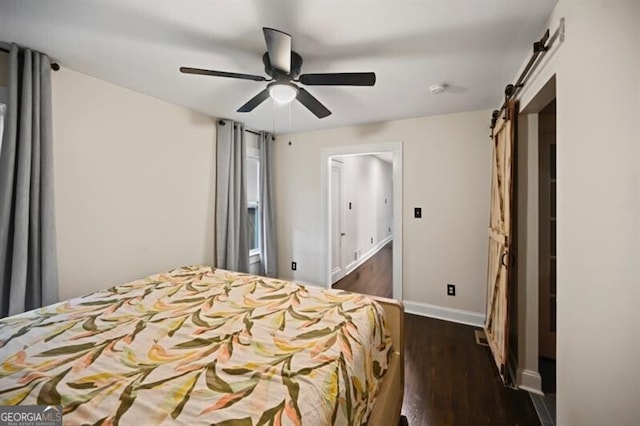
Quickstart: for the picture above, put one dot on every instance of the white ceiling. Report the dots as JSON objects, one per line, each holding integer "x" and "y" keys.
{"x": 475, "y": 46}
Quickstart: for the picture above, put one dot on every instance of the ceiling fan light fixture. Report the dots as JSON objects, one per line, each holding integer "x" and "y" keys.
{"x": 439, "y": 88}
{"x": 283, "y": 93}
{"x": 282, "y": 65}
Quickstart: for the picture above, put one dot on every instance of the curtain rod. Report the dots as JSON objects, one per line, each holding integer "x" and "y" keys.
{"x": 222, "y": 123}
{"x": 54, "y": 65}
{"x": 540, "y": 48}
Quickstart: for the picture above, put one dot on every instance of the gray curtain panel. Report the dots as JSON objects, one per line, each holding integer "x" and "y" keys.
{"x": 28, "y": 271}
{"x": 232, "y": 216}
{"x": 268, "y": 257}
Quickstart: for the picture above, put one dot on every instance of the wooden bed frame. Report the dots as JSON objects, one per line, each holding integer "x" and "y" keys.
{"x": 389, "y": 402}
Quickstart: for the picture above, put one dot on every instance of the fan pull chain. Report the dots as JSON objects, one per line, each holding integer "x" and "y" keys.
{"x": 273, "y": 115}
{"x": 290, "y": 122}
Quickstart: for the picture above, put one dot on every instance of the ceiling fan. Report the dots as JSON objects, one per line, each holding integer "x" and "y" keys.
{"x": 283, "y": 66}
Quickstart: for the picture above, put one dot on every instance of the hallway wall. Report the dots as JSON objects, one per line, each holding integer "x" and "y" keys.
{"x": 367, "y": 185}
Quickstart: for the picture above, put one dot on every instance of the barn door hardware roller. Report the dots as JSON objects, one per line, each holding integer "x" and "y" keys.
{"x": 540, "y": 48}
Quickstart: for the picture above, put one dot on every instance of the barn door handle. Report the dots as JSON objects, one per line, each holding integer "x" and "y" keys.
{"x": 511, "y": 257}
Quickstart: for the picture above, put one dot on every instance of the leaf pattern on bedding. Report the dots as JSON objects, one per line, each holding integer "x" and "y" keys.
{"x": 198, "y": 345}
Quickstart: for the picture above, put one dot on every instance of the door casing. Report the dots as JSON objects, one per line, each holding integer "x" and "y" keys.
{"x": 359, "y": 149}
{"x": 338, "y": 266}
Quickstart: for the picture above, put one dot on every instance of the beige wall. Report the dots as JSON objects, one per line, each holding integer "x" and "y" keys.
{"x": 597, "y": 72}
{"x": 134, "y": 184}
{"x": 446, "y": 172}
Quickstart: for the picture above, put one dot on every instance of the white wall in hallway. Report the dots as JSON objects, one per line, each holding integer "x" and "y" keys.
{"x": 367, "y": 183}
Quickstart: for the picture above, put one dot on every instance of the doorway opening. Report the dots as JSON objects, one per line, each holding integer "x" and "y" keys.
{"x": 361, "y": 200}
{"x": 362, "y": 196}
{"x": 536, "y": 267}
{"x": 547, "y": 241}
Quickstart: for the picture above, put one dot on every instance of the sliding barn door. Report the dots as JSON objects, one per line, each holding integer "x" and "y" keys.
{"x": 500, "y": 239}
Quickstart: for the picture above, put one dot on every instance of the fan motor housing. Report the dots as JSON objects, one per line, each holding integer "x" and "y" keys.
{"x": 296, "y": 64}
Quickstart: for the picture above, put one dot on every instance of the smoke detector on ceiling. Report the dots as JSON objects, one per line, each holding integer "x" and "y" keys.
{"x": 436, "y": 89}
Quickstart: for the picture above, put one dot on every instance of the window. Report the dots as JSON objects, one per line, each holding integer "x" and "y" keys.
{"x": 3, "y": 110}
{"x": 254, "y": 231}
{"x": 253, "y": 195}
{"x": 253, "y": 201}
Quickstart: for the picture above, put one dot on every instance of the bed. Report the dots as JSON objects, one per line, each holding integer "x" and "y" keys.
{"x": 199, "y": 345}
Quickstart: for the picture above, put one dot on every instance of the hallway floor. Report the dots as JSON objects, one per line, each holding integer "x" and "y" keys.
{"x": 374, "y": 277}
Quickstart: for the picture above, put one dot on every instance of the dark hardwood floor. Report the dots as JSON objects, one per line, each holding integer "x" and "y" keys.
{"x": 374, "y": 277}
{"x": 449, "y": 378}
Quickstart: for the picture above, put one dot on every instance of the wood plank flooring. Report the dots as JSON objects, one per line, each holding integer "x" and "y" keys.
{"x": 374, "y": 277}
{"x": 449, "y": 379}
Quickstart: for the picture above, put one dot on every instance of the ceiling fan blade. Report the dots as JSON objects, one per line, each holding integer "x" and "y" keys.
{"x": 339, "y": 79}
{"x": 255, "y": 101}
{"x": 312, "y": 104}
{"x": 279, "y": 48}
{"x": 188, "y": 70}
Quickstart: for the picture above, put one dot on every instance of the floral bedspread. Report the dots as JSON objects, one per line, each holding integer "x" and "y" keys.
{"x": 199, "y": 346}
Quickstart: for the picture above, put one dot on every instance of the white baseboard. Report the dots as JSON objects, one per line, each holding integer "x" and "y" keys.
{"x": 368, "y": 255}
{"x": 529, "y": 381}
{"x": 475, "y": 319}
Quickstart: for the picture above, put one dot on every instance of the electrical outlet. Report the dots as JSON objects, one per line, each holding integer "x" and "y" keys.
{"x": 294, "y": 266}
{"x": 451, "y": 289}
{"x": 349, "y": 205}
{"x": 417, "y": 212}
{"x": 389, "y": 229}
{"x": 371, "y": 240}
